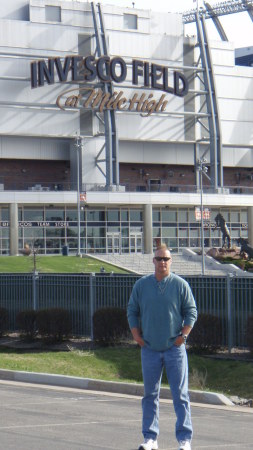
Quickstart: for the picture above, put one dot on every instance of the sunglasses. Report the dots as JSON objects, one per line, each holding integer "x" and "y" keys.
{"x": 162, "y": 258}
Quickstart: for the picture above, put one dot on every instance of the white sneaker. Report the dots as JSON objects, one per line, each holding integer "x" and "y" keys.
{"x": 149, "y": 444}
{"x": 184, "y": 445}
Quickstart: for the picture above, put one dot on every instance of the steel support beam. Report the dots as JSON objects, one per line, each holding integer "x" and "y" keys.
{"x": 220, "y": 9}
{"x": 216, "y": 22}
{"x": 216, "y": 168}
{"x": 111, "y": 139}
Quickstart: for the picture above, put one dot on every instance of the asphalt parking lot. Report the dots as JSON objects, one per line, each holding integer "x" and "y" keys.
{"x": 52, "y": 418}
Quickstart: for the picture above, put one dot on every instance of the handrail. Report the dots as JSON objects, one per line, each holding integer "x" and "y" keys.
{"x": 163, "y": 187}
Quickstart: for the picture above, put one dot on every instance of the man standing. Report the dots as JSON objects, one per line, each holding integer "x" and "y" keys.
{"x": 161, "y": 313}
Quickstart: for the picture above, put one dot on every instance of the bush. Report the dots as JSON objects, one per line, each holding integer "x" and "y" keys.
{"x": 4, "y": 321}
{"x": 26, "y": 323}
{"x": 54, "y": 324}
{"x": 206, "y": 334}
{"x": 249, "y": 333}
{"x": 110, "y": 325}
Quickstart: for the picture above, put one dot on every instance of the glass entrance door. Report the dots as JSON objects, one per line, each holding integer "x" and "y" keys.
{"x": 135, "y": 242}
{"x": 113, "y": 243}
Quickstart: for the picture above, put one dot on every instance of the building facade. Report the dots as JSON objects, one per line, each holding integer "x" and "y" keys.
{"x": 100, "y": 141}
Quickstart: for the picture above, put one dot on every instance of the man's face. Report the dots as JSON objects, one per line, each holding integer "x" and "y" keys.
{"x": 162, "y": 261}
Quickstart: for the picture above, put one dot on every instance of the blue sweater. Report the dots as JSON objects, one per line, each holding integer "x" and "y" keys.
{"x": 161, "y": 309}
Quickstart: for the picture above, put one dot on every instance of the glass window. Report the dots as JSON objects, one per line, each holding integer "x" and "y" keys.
{"x": 214, "y": 213}
{"x": 156, "y": 216}
{"x": 171, "y": 243}
{"x": 234, "y": 216}
{"x": 135, "y": 229}
{"x": 54, "y": 245}
{"x": 124, "y": 231}
{"x": 95, "y": 231}
{"x": 95, "y": 216}
{"x": 182, "y": 216}
{"x": 54, "y": 214}
{"x": 225, "y": 214}
{"x": 135, "y": 215}
{"x": 235, "y": 233}
{"x": 5, "y": 214}
{"x": 192, "y": 215}
{"x": 125, "y": 243}
{"x": 244, "y": 234}
{"x": 33, "y": 214}
{"x": 194, "y": 232}
{"x": 55, "y": 232}
{"x": 53, "y": 13}
{"x": 183, "y": 232}
{"x": 244, "y": 216}
{"x": 72, "y": 232}
{"x": 183, "y": 242}
{"x": 124, "y": 215}
{"x": 113, "y": 229}
{"x": 99, "y": 243}
{"x": 169, "y": 232}
{"x": 169, "y": 216}
{"x": 33, "y": 232}
{"x": 156, "y": 232}
{"x": 194, "y": 242}
{"x": 5, "y": 232}
{"x": 130, "y": 21}
{"x": 113, "y": 215}
{"x": 72, "y": 215}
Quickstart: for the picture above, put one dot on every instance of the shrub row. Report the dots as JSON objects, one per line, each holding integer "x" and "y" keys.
{"x": 206, "y": 335}
{"x": 110, "y": 326}
{"x": 51, "y": 324}
{"x": 4, "y": 319}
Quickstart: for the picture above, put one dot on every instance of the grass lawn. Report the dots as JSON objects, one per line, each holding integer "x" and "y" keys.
{"x": 123, "y": 364}
{"x": 54, "y": 264}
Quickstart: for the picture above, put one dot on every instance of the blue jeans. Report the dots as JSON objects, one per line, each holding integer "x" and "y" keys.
{"x": 174, "y": 360}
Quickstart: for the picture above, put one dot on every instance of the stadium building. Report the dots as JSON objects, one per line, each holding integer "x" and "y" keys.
{"x": 119, "y": 131}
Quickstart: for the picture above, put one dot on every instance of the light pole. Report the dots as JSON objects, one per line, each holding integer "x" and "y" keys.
{"x": 202, "y": 169}
{"x": 78, "y": 145}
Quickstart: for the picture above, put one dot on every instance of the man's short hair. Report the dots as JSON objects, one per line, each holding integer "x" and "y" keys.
{"x": 162, "y": 247}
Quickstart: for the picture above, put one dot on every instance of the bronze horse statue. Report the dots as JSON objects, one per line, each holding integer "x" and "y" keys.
{"x": 221, "y": 223}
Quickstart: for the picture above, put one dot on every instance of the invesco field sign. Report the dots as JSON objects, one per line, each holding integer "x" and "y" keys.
{"x": 79, "y": 70}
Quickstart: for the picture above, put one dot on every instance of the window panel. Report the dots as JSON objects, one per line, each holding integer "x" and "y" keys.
{"x": 156, "y": 232}
{"x": 113, "y": 216}
{"x": 94, "y": 215}
{"x": 124, "y": 215}
{"x": 130, "y": 21}
{"x": 55, "y": 232}
{"x": 53, "y": 13}
{"x": 54, "y": 215}
{"x": 135, "y": 215}
{"x": 169, "y": 232}
{"x": 33, "y": 214}
{"x": 156, "y": 216}
{"x": 5, "y": 214}
{"x": 33, "y": 232}
{"x": 182, "y": 216}
{"x": 169, "y": 216}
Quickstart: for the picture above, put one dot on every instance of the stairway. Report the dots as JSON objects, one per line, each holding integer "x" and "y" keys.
{"x": 185, "y": 263}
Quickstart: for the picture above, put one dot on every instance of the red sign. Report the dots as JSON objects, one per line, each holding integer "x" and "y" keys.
{"x": 82, "y": 197}
{"x": 206, "y": 213}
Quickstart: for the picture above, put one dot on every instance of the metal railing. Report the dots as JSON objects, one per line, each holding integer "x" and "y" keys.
{"x": 230, "y": 298}
{"x": 127, "y": 187}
